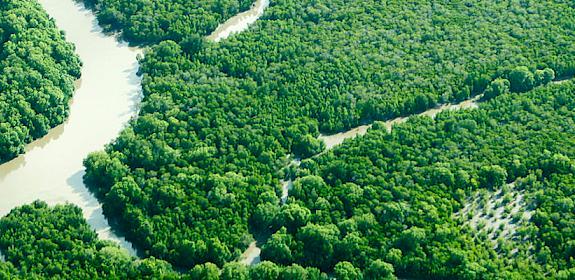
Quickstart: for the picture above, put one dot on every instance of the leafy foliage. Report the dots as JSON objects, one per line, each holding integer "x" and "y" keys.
{"x": 551, "y": 195}
{"x": 392, "y": 197}
{"x": 198, "y": 172}
{"x": 42, "y": 242}
{"x": 343, "y": 63}
{"x": 37, "y": 73}
{"x": 153, "y": 21}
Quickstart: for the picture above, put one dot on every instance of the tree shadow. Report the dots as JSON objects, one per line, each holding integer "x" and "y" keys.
{"x": 96, "y": 218}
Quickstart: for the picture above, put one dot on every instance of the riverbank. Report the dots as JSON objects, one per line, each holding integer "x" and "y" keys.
{"x": 334, "y": 140}
{"x": 239, "y": 22}
{"x": 105, "y": 99}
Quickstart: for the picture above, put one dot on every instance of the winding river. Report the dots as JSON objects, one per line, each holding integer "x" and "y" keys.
{"x": 106, "y": 98}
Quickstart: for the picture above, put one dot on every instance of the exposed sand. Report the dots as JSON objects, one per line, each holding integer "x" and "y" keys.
{"x": 334, "y": 140}
{"x": 487, "y": 213}
{"x": 239, "y": 22}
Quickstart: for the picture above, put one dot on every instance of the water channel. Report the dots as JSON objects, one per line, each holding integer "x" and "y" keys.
{"x": 106, "y": 98}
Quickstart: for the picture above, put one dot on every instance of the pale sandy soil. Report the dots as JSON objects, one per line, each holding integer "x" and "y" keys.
{"x": 251, "y": 255}
{"x": 334, "y": 140}
{"x": 239, "y": 22}
{"x": 487, "y": 213}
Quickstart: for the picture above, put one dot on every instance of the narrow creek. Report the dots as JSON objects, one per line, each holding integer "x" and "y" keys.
{"x": 239, "y": 22}
{"x": 252, "y": 254}
{"x": 333, "y": 140}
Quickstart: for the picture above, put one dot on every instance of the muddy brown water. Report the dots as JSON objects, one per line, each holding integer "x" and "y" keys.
{"x": 106, "y": 98}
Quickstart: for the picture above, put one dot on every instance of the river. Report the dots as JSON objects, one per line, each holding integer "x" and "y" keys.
{"x": 106, "y": 98}
{"x": 239, "y": 22}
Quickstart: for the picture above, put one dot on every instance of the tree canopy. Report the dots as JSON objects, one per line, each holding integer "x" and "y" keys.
{"x": 393, "y": 197}
{"x": 55, "y": 242}
{"x": 197, "y": 175}
{"x": 40, "y": 242}
{"x": 37, "y": 73}
{"x": 145, "y": 22}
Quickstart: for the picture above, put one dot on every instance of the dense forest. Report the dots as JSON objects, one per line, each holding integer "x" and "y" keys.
{"x": 37, "y": 73}
{"x": 42, "y": 242}
{"x": 344, "y": 62}
{"x": 378, "y": 206}
{"x": 196, "y": 177}
{"x": 392, "y": 196}
{"x": 146, "y": 22}
{"x": 219, "y": 120}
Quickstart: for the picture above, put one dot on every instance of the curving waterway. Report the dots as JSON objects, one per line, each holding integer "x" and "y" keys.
{"x": 105, "y": 99}
{"x": 252, "y": 255}
{"x": 334, "y": 140}
{"x": 239, "y": 22}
